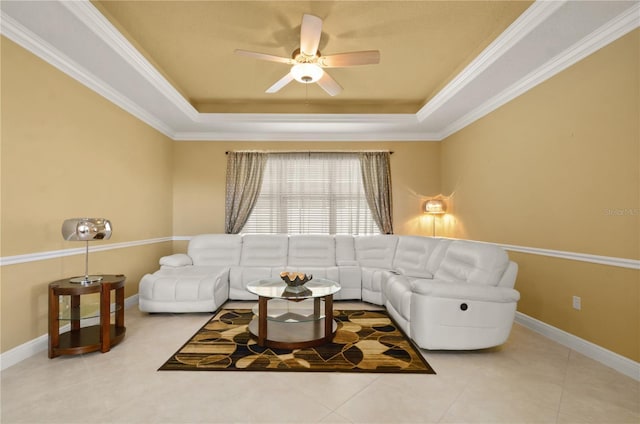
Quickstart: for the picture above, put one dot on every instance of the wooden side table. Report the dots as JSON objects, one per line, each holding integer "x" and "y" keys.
{"x": 90, "y": 338}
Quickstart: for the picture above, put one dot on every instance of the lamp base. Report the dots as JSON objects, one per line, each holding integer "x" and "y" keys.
{"x": 87, "y": 279}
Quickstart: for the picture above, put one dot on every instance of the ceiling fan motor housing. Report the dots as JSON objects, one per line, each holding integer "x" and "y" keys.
{"x": 306, "y": 69}
{"x": 300, "y": 57}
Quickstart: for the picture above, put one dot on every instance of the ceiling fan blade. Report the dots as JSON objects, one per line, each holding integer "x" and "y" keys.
{"x": 328, "y": 84}
{"x": 281, "y": 83}
{"x": 367, "y": 57}
{"x": 310, "y": 33}
{"x": 263, "y": 56}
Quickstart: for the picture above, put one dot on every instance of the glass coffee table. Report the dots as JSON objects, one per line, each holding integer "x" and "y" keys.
{"x": 292, "y": 317}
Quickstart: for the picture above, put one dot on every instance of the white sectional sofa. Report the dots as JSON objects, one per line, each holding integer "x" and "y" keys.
{"x": 444, "y": 294}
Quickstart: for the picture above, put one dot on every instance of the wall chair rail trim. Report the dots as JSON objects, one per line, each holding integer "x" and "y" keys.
{"x": 573, "y": 256}
{"x": 53, "y": 254}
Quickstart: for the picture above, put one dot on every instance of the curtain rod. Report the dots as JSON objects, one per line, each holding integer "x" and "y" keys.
{"x": 306, "y": 151}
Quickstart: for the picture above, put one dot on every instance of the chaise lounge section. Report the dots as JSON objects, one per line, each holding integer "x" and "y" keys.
{"x": 445, "y": 294}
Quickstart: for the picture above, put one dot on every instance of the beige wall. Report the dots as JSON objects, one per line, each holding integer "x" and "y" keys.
{"x": 558, "y": 168}
{"x": 199, "y": 181}
{"x": 68, "y": 152}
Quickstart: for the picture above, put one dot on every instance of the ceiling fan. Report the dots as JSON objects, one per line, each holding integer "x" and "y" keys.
{"x": 307, "y": 62}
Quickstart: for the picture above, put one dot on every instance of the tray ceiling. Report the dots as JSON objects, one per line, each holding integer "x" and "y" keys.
{"x": 443, "y": 64}
{"x": 422, "y": 45}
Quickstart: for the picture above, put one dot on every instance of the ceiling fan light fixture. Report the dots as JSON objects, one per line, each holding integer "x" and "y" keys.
{"x": 306, "y": 73}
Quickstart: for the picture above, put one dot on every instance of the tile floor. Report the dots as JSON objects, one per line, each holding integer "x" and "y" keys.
{"x": 530, "y": 379}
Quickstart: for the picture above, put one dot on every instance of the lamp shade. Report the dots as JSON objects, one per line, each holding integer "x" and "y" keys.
{"x": 306, "y": 72}
{"x": 435, "y": 206}
{"x": 86, "y": 229}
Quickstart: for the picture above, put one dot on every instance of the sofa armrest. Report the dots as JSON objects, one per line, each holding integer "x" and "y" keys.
{"x": 464, "y": 291}
{"x": 176, "y": 260}
{"x": 414, "y": 273}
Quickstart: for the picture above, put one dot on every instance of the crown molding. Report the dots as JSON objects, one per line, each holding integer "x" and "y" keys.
{"x": 308, "y": 127}
{"x": 22, "y": 36}
{"x": 306, "y": 136}
{"x": 608, "y": 33}
{"x": 536, "y": 14}
{"x": 100, "y": 26}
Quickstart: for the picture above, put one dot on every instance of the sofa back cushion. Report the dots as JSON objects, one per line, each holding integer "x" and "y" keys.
{"x": 376, "y": 251}
{"x": 473, "y": 262}
{"x": 312, "y": 250}
{"x": 215, "y": 249}
{"x": 268, "y": 250}
{"x": 345, "y": 250}
{"x": 438, "y": 255}
{"x": 413, "y": 252}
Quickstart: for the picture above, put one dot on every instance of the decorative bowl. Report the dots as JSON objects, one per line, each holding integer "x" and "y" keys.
{"x": 295, "y": 279}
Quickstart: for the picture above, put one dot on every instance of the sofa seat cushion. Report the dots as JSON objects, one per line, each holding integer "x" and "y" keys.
{"x": 240, "y": 276}
{"x": 187, "y": 284}
{"x": 190, "y": 271}
{"x": 372, "y": 278}
{"x": 463, "y": 291}
{"x": 397, "y": 292}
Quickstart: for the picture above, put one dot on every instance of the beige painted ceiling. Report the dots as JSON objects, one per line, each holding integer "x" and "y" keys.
{"x": 423, "y": 45}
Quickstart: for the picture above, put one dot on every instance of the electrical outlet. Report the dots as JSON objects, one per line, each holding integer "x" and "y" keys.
{"x": 577, "y": 303}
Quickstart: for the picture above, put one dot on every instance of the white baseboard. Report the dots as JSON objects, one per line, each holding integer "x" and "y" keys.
{"x": 40, "y": 344}
{"x": 611, "y": 359}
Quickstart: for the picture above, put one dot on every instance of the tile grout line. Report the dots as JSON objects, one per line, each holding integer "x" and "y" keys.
{"x": 454, "y": 401}
{"x": 564, "y": 382}
{"x": 335, "y": 410}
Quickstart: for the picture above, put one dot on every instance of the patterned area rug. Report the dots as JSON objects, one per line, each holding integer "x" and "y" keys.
{"x": 365, "y": 341}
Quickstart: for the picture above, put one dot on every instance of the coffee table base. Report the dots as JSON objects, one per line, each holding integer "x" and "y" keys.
{"x": 289, "y": 335}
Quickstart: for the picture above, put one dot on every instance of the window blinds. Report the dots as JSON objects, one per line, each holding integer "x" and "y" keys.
{"x": 311, "y": 193}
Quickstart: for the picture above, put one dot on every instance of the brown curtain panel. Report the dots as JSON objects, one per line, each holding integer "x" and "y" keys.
{"x": 376, "y": 179}
{"x": 244, "y": 180}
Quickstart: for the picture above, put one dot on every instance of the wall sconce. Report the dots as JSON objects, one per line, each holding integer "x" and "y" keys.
{"x": 435, "y": 207}
{"x": 86, "y": 229}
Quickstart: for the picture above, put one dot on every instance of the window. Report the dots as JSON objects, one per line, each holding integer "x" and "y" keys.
{"x": 318, "y": 193}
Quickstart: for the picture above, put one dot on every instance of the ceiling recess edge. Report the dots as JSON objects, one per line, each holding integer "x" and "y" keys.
{"x": 175, "y": 117}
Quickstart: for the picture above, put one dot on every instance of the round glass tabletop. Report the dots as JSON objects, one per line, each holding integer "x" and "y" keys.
{"x": 276, "y": 288}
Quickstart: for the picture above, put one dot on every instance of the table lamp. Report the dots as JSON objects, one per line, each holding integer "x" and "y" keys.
{"x": 86, "y": 229}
